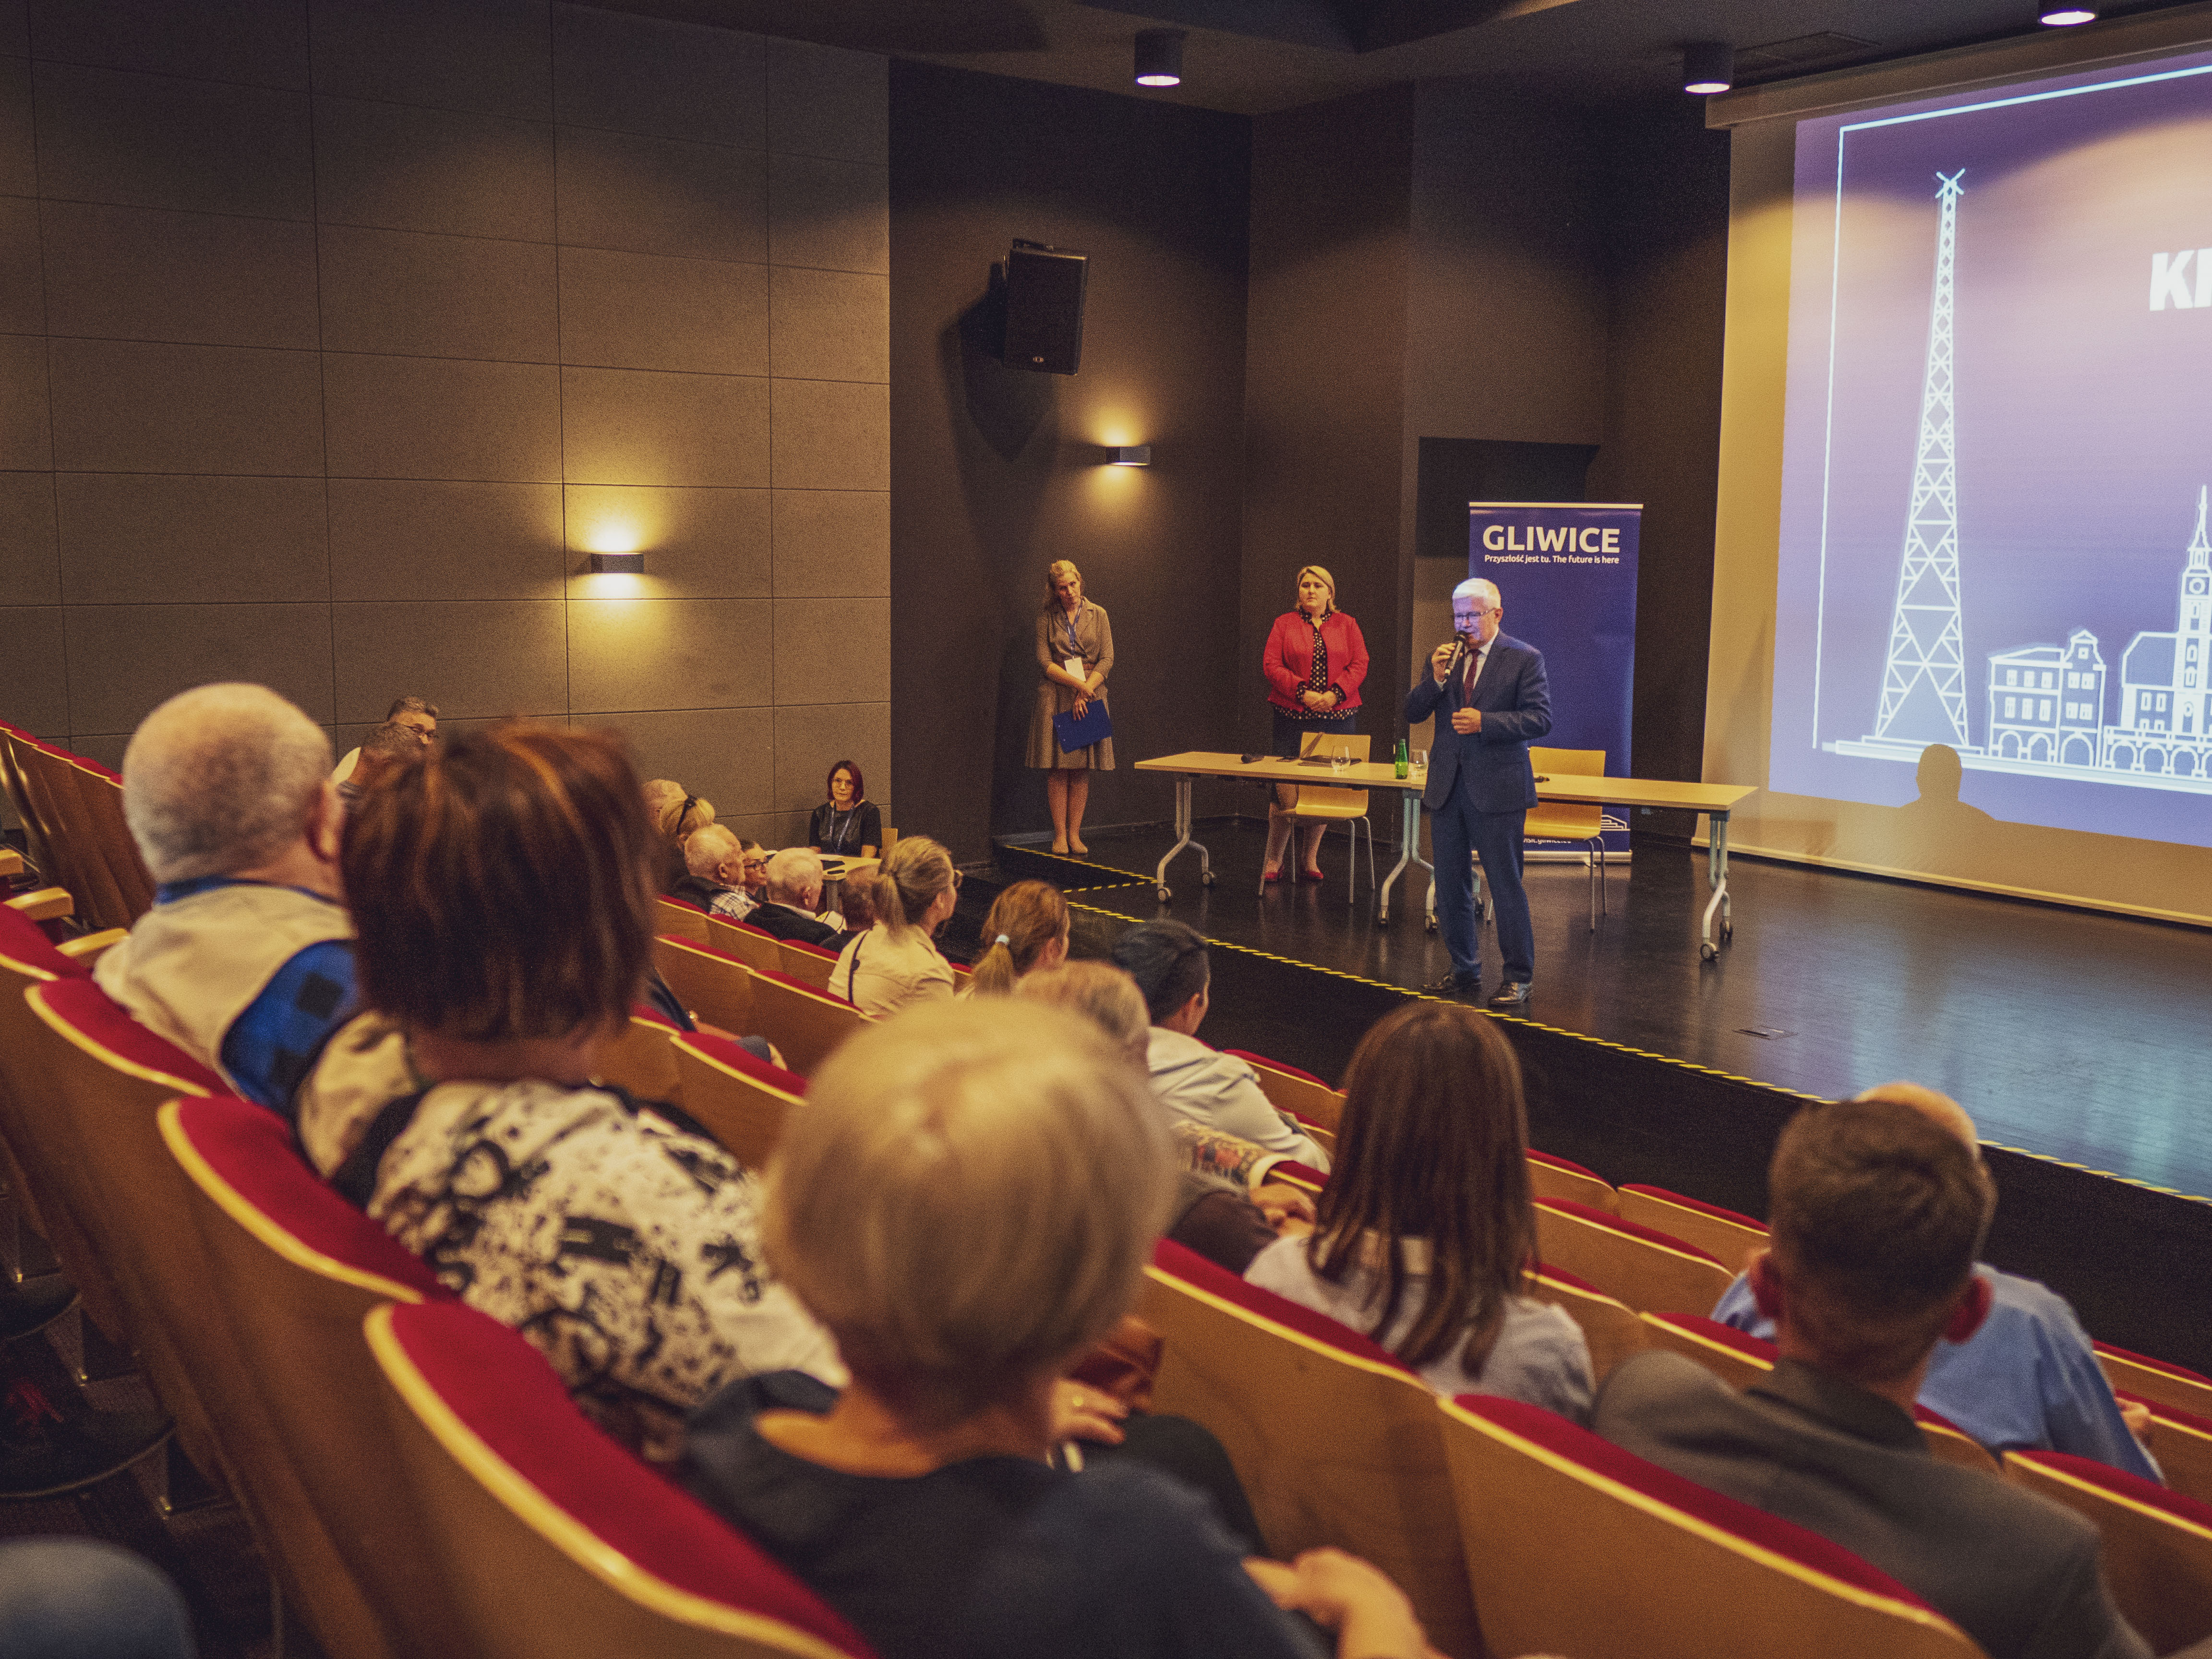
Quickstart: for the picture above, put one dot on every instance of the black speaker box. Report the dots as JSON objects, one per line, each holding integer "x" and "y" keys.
{"x": 1044, "y": 308}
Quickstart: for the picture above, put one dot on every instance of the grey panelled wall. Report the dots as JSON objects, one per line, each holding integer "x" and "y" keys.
{"x": 335, "y": 335}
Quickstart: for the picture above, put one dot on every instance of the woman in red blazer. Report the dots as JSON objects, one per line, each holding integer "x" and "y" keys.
{"x": 1315, "y": 662}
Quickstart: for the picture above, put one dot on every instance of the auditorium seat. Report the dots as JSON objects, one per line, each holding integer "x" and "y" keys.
{"x": 804, "y": 1023}
{"x": 638, "y": 1059}
{"x": 556, "y": 1543}
{"x": 1611, "y": 1329}
{"x": 100, "y": 1078}
{"x": 296, "y": 1270}
{"x": 809, "y": 963}
{"x": 1576, "y": 1546}
{"x": 714, "y": 984}
{"x": 674, "y": 916}
{"x": 42, "y": 904}
{"x": 757, "y": 949}
{"x": 1290, "y": 1089}
{"x": 126, "y": 888}
{"x": 2158, "y": 1544}
{"x": 2156, "y": 1379}
{"x": 1740, "y": 1359}
{"x": 1295, "y": 1174}
{"x": 1648, "y": 1269}
{"x": 1335, "y": 1441}
{"x": 741, "y": 1101}
{"x": 1556, "y": 1177}
{"x": 2182, "y": 1442}
{"x": 1726, "y": 1236}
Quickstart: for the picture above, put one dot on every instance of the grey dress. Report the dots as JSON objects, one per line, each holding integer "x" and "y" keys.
{"x": 1095, "y": 635}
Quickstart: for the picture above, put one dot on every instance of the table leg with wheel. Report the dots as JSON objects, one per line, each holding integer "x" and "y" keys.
{"x": 1716, "y": 874}
{"x": 1182, "y": 822}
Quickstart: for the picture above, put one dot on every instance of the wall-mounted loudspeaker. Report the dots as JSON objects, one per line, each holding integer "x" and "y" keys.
{"x": 1044, "y": 308}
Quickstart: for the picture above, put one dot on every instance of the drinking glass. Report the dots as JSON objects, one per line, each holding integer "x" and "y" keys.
{"x": 1420, "y": 762}
{"x": 1340, "y": 758}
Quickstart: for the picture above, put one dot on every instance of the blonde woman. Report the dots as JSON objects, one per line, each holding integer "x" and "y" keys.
{"x": 1025, "y": 933}
{"x": 968, "y": 1202}
{"x": 896, "y": 962}
{"x": 1075, "y": 649}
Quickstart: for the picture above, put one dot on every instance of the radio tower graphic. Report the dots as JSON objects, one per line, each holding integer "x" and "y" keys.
{"x": 1923, "y": 684}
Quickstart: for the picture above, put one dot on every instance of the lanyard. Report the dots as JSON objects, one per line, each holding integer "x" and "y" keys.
{"x": 839, "y": 831}
{"x": 1074, "y": 645}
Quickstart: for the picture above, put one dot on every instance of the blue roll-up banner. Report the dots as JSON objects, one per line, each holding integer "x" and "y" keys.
{"x": 1566, "y": 574}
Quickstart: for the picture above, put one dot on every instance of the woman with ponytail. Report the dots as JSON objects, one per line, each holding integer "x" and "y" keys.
{"x": 1425, "y": 1228}
{"x": 1026, "y": 931}
{"x": 896, "y": 962}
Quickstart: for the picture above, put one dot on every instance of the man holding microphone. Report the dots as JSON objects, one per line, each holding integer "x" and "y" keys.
{"x": 1491, "y": 699}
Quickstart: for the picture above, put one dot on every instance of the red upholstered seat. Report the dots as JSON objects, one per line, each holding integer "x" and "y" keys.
{"x": 2158, "y": 1542}
{"x": 1725, "y": 1235}
{"x": 741, "y": 1101}
{"x": 2156, "y": 1379}
{"x": 1558, "y": 1177}
{"x": 738, "y": 1058}
{"x": 104, "y": 1029}
{"x": 1303, "y": 1174}
{"x": 2181, "y": 1441}
{"x": 1250, "y": 1058}
{"x": 1736, "y": 1216}
{"x": 25, "y": 948}
{"x": 1337, "y": 1442}
{"x": 1639, "y": 1265}
{"x": 805, "y": 1025}
{"x": 556, "y": 1540}
{"x": 242, "y": 1156}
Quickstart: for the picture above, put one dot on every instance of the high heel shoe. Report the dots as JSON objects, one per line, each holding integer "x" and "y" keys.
{"x": 1271, "y": 875}
{"x": 1310, "y": 875}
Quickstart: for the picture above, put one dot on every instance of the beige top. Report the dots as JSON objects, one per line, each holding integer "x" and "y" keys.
{"x": 879, "y": 974}
{"x": 192, "y": 966}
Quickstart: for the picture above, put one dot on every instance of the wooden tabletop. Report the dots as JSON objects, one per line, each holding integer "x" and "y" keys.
{"x": 1383, "y": 775}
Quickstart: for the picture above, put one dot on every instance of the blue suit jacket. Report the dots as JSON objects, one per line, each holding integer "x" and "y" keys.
{"x": 1488, "y": 769}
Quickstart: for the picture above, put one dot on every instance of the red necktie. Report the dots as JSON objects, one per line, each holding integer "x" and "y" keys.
{"x": 1474, "y": 667}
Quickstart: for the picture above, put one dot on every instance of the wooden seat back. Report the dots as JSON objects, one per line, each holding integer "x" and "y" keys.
{"x": 1299, "y": 1093}
{"x": 1317, "y": 800}
{"x": 639, "y": 1060}
{"x": 808, "y": 963}
{"x": 757, "y": 949}
{"x": 555, "y": 1542}
{"x": 1336, "y": 1441}
{"x": 1566, "y": 820}
{"x": 1576, "y": 1546}
{"x": 715, "y": 986}
{"x": 805, "y": 1025}
{"x": 2158, "y": 1544}
{"x": 297, "y": 1269}
{"x": 1647, "y": 1269}
{"x": 2155, "y": 1379}
{"x": 1727, "y": 1236}
{"x": 680, "y": 920}
{"x": 741, "y": 1101}
{"x": 1557, "y": 1177}
{"x": 1611, "y": 1329}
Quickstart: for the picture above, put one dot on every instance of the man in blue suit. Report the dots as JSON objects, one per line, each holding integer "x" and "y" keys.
{"x": 1490, "y": 696}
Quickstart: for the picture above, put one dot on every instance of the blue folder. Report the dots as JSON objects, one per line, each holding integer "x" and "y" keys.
{"x": 1074, "y": 734}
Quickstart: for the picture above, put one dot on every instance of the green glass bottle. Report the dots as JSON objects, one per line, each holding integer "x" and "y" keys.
{"x": 1398, "y": 764}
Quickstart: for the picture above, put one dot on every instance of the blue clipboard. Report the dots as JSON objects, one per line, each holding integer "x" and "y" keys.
{"x": 1074, "y": 734}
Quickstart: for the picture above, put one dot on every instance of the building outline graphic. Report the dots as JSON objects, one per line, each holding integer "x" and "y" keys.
{"x": 2047, "y": 708}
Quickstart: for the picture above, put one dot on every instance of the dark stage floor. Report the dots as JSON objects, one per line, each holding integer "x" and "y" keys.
{"x": 2070, "y": 1035}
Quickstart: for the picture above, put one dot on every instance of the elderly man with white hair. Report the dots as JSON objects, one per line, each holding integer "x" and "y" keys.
{"x": 2027, "y": 1380}
{"x": 246, "y": 961}
{"x": 715, "y": 873}
{"x": 794, "y": 891}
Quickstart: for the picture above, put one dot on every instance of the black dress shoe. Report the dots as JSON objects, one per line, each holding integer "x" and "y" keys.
{"x": 1457, "y": 985}
{"x": 1512, "y": 994}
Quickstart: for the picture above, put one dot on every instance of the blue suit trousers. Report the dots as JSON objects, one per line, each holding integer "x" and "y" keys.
{"x": 1456, "y": 830}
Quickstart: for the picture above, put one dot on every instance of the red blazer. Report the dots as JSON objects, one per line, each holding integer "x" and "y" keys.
{"x": 1288, "y": 662}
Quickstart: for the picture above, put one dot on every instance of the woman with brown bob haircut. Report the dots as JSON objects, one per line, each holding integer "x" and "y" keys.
{"x": 1425, "y": 1228}
{"x": 502, "y": 895}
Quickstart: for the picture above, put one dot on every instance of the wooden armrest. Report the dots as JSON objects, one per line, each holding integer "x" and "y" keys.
{"x": 46, "y": 904}
{"x": 11, "y": 861}
{"x": 88, "y": 947}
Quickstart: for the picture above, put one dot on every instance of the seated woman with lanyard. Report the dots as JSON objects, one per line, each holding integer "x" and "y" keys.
{"x": 502, "y": 897}
{"x": 847, "y": 825}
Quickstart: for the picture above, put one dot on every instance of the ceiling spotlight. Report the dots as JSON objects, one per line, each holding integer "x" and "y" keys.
{"x": 1159, "y": 57}
{"x": 1708, "y": 66}
{"x": 2059, "y": 15}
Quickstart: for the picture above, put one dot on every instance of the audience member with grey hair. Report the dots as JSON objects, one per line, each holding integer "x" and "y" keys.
{"x": 794, "y": 892}
{"x": 713, "y": 872}
{"x": 968, "y": 1202}
{"x": 246, "y": 960}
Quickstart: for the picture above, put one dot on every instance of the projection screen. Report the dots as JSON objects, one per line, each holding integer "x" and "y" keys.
{"x": 1962, "y": 606}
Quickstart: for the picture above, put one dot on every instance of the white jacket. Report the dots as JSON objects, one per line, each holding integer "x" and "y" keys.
{"x": 1220, "y": 1092}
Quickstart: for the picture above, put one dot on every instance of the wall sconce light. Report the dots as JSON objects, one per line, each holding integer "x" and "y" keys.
{"x": 1159, "y": 57}
{"x": 1130, "y": 455}
{"x": 618, "y": 564}
{"x": 1708, "y": 66}
{"x": 2061, "y": 14}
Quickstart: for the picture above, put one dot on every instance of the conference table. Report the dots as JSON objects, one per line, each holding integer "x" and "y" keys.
{"x": 1715, "y": 800}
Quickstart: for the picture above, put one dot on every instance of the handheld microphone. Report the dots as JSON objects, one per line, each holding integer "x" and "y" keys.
{"x": 1458, "y": 656}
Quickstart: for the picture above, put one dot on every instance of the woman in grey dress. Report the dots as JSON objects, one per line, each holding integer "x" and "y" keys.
{"x": 1075, "y": 649}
